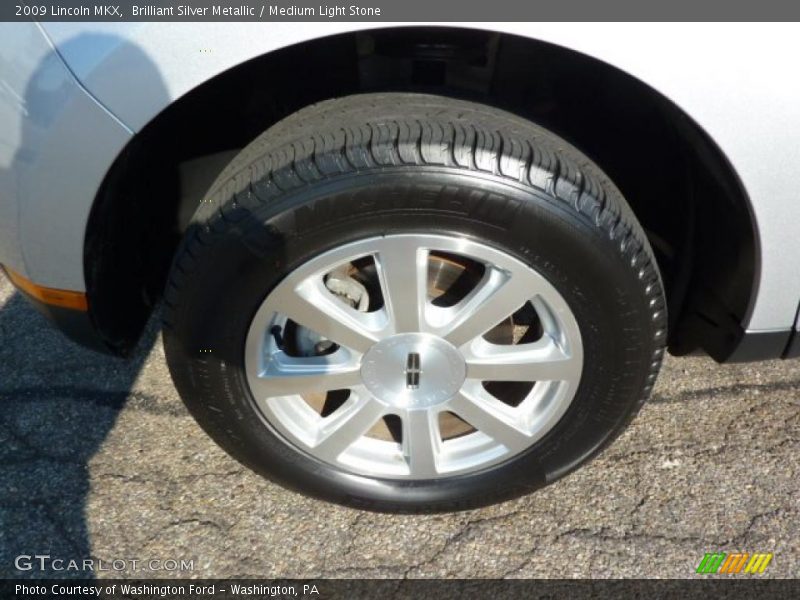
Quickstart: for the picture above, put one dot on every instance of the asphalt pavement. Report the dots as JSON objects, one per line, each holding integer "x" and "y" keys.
{"x": 100, "y": 461}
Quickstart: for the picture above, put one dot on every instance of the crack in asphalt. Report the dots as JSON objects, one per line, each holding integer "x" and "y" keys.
{"x": 452, "y": 540}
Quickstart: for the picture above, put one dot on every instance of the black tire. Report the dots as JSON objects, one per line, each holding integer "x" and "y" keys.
{"x": 361, "y": 166}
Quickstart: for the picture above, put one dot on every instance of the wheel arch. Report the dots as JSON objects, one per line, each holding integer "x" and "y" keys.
{"x": 678, "y": 181}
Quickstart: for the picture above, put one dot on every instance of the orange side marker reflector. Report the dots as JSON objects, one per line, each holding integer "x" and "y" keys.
{"x": 52, "y": 296}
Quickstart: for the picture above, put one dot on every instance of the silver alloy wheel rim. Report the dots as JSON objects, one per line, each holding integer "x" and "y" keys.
{"x": 377, "y": 353}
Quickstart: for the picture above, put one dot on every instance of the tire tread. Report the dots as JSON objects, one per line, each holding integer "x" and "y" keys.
{"x": 350, "y": 135}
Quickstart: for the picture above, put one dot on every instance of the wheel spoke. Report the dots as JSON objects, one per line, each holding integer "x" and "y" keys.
{"x": 314, "y": 307}
{"x": 421, "y": 441}
{"x": 491, "y": 417}
{"x": 284, "y": 375}
{"x": 495, "y": 298}
{"x": 410, "y": 359}
{"x": 402, "y": 267}
{"x": 543, "y": 360}
{"x": 341, "y": 429}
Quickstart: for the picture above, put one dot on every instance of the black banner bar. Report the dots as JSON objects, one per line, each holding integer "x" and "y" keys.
{"x": 384, "y": 589}
{"x": 398, "y": 10}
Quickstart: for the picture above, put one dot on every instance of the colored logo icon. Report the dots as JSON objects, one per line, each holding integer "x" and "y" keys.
{"x": 737, "y": 562}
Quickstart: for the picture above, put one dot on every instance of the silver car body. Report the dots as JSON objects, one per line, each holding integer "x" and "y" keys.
{"x": 742, "y": 94}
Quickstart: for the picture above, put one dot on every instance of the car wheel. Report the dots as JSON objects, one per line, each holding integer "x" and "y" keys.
{"x": 405, "y": 302}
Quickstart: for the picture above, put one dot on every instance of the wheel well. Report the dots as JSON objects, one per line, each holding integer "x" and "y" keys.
{"x": 681, "y": 187}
